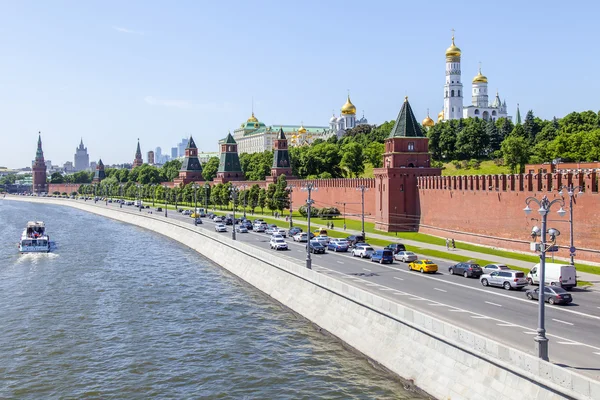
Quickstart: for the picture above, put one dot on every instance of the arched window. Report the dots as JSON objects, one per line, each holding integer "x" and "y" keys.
{"x": 452, "y": 93}
{"x": 476, "y": 112}
{"x": 446, "y": 93}
{"x": 494, "y": 113}
{"x": 459, "y": 93}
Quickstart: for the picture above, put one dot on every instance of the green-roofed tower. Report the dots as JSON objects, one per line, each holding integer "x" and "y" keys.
{"x": 100, "y": 174}
{"x": 230, "y": 168}
{"x": 191, "y": 169}
{"x": 281, "y": 158}
{"x": 406, "y": 124}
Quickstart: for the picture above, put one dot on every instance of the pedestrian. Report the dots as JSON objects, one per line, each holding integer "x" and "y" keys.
{"x": 447, "y": 244}
{"x": 453, "y": 244}
{"x": 344, "y": 226}
{"x": 332, "y": 225}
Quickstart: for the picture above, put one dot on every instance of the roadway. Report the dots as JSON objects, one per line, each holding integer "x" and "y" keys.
{"x": 506, "y": 316}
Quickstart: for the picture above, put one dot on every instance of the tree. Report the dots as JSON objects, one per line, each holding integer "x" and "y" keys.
{"x": 494, "y": 137}
{"x": 472, "y": 140}
{"x": 271, "y": 201}
{"x": 505, "y": 127}
{"x": 209, "y": 169}
{"x": 253, "y": 197}
{"x": 57, "y": 177}
{"x": 262, "y": 199}
{"x": 353, "y": 159}
{"x": 515, "y": 150}
{"x": 373, "y": 153}
{"x": 169, "y": 170}
{"x": 531, "y": 127}
{"x": 82, "y": 177}
{"x": 215, "y": 194}
{"x": 282, "y": 194}
{"x": 447, "y": 143}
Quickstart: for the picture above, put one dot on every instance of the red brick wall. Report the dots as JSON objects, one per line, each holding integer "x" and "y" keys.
{"x": 63, "y": 187}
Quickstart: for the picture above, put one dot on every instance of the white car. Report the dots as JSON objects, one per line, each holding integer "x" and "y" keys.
{"x": 218, "y": 219}
{"x": 405, "y": 256}
{"x": 186, "y": 212}
{"x": 363, "y": 251}
{"x": 323, "y": 239}
{"x": 259, "y": 228}
{"x": 241, "y": 229}
{"x": 220, "y": 228}
{"x": 301, "y": 237}
{"x": 281, "y": 231}
{"x": 276, "y": 236}
{"x": 278, "y": 244}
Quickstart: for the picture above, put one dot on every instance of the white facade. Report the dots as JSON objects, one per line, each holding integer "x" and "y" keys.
{"x": 453, "y": 89}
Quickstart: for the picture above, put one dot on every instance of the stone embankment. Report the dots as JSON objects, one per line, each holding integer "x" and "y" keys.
{"x": 444, "y": 360}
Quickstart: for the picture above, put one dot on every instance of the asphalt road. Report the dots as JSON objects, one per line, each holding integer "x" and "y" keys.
{"x": 506, "y": 316}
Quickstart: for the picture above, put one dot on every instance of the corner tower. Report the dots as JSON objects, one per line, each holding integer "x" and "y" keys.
{"x": 230, "y": 168}
{"x": 100, "y": 173}
{"x": 40, "y": 184}
{"x": 138, "y": 156}
{"x": 191, "y": 169}
{"x": 453, "y": 89}
{"x": 405, "y": 158}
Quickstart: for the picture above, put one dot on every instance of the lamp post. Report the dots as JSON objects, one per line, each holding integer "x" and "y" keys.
{"x": 234, "y": 194}
{"x": 153, "y": 187}
{"x": 206, "y": 189}
{"x": 308, "y": 188}
{"x": 541, "y": 340}
{"x": 166, "y": 192}
{"x": 290, "y": 189}
{"x": 571, "y": 193}
{"x": 195, "y": 186}
{"x": 139, "y": 195}
{"x": 362, "y": 189}
{"x": 243, "y": 188}
{"x": 120, "y": 195}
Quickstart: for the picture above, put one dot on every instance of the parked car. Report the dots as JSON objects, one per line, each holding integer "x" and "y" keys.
{"x": 508, "y": 279}
{"x": 405, "y": 256}
{"x": 324, "y": 240}
{"x": 488, "y": 269}
{"x": 294, "y": 231}
{"x": 220, "y": 228}
{"x": 316, "y": 247}
{"x": 281, "y": 232}
{"x": 241, "y": 229}
{"x": 466, "y": 269}
{"x": 353, "y": 239}
{"x": 321, "y": 231}
{"x": 383, "y": 256}
{"x": 278, "y": 244}
{"x": 552, "y": 294}
{"x": 300, "y": 237}
{"x": 258, "y": 220}
{"x": 363, "y": 251}
{"x": 337, "y": 245}
{"x": 423, "y": 266}
{"x": 395, "y": 247}
{"x": 561, "y": 275}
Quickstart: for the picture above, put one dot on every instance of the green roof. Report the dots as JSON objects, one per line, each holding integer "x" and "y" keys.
{"x": 191, "y": 144}
{"x": 406, "y": 124}
{"x": 229, "y": 139}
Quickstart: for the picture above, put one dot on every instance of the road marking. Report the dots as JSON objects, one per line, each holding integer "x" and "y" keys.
{"x": 458, "y": 310}
{"x": 300, "y": 251}
{"x": 441, "y": 290}
{"x": 385, "y": 288}
{"x": 436, "y": 305}
{"x": 598, "y": 353}
{"x": 571, "y": 343}
{"x": 401, "y": 294}
{"x": 340, "y": 262}
{"x": 562, "y": 322}
{"x": 372, "y": 284}
{"x": 418, "y": 299}
{"x": 529, "y": 333}
{"x": 401, "y": 279}
{"x": 509, "y": 325}
{"x": 494, "y": 304}
{"x": 479, "y": 317}
{"x": 367, "y": 269}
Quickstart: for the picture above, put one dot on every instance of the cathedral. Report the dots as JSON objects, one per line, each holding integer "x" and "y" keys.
{"x": 480, "y": 106}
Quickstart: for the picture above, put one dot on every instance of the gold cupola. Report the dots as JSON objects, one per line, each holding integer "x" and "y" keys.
{"x": 453, "y": 51}
{"x": 302, "y": 129}
{"x": 440, "y": 116}
{"x": 480, "y": 78}
{"x": 348, "y": 108}
{"x": 252, "y": 118}
{"x": 428, "y": 122}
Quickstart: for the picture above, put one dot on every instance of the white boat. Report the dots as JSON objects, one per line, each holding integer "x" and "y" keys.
{"x": 34, "y": 238}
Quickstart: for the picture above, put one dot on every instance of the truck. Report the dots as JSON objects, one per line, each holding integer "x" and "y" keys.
{"x": 561, "y": 275}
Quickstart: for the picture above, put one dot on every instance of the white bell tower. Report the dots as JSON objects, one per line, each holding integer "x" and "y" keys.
{"x": 453, "y": 89}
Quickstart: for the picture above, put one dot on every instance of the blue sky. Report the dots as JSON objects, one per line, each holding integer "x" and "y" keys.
{"x": 115, "y": 71}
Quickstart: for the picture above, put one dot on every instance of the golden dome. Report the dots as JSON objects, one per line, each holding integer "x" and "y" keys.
{"x": 302, "y": 129}
{"x": 441, "y": 116}
{"x": 453, "y": 51}
{"x": 348, "y": 108}
{"x": 428, "y": 122}
{"x": 252, "y": 118}
{"x": 480, "y": 78}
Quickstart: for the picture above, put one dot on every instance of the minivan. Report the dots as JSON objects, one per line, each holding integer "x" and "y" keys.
{"x": 383, "y": 256}
{"x": 508, "y": 279}
{"x": 561, "y": 275}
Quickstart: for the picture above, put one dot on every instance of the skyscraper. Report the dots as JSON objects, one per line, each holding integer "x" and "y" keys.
{"x": 181, "y": 147}
{"x": 158, "y": 155}
{"x": 151, "y": 157}
{"x": 173, "y": 153}
{"x": 82, "y": 159}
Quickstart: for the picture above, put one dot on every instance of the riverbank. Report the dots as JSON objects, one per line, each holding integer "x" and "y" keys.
{"x": 442, "y": 359}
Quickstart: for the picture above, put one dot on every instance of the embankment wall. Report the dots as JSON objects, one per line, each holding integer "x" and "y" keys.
{"x": 444, "y": 360}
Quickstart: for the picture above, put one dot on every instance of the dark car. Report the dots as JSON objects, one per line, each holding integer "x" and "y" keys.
{"x": 228, "y": 221}
{"x": 383, "y": 256}
{"x": 353, "y": 239}
{"x": 552, "y": 294}
{"x": 294, "y": 230}
{"x": 316, "y": 247}
{"x": 159, "y": 209}
{"x": 395, "y": 247}
{"x": 197, "y": 221}
{"x": 466, "y": 269}
{"x": 247, "y": 224}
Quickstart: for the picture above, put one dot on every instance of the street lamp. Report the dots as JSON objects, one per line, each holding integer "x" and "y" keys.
{"x": 139, "y": 195}
{"x": 243, "y": 188}
{"x": 571, "y": 193}
{"x": 234, "y": 194}
{"x": 541, "y": 340}
{"x": 206, "y": 189}
{"x": 290, "y": 189}
{"x": 362, "y": 189}
{"x": 165, "y": 199}
{"x": 309, "y": 202}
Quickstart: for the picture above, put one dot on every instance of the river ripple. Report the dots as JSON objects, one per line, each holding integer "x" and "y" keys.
{"x": 120, "y": 312}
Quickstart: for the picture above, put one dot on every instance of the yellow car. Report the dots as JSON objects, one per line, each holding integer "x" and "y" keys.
{"x": 423, "y": 266}
{"x": 195, "y": 215}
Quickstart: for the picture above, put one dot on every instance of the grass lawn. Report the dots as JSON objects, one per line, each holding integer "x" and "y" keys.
{"x": 487, "y": 168}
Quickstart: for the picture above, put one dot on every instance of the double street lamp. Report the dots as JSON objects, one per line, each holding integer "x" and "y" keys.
{"x": 139, "y": 193}
{"x": 571, "y": 193}
{"x": 206, "y": 189}
{"x": 310, "y": 187}
{"x": 166, "y": 193}
{"x": 290, "y": 189}
{"x": 234, "y": 195}
{"x": 541, "y": 340}
{"x": 362, "y": 189}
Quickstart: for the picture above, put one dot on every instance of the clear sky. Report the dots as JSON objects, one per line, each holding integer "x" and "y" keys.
{"x": 115, "y": 71}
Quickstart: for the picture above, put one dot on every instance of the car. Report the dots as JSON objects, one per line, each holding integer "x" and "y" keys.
{"x": 405, "y": 256}
{"x": 197, "y": 221}
{"x": 281, "y": 232}
{"x": 220, "y": 228}
{"x": 258, "y": 220}
{"x": 354, "y": 239}
{"x": 383, "y": 256}
{"x": 466, "y": 269}
{"x": 270, "y": 230}
{"x": 363, "y": 251}
{"x": 228, "y": 221}
{"x": 159, "y": 209}
{"x": 316, "y": 247}
{"x": 552, "y": 294}
{"x": 186, "y": 212}
{"x": 395, "y": 247}
{"x": 423, "y": 266}
{"x": 488, "y": 269}
{"x": 276, "y": 236}
{"x": 278, "y": 244}
{"x": 508, "y": 279}
{"x": 556, "y": 274}
{"x": 241, "y": 229}
{"x": 218, "y": 219}
{"x": 300, "y": 237}
{"x": 259, "y": 228}
{"x": 337, "y": 245}
{"x": 321, "y": 231}
{"x": 247, "y": 225}
{"x": 294, "y": 231}
{"x": 362, "y": 244}
{"x": 324, "y": 240}
{"x": 179, "y": 210}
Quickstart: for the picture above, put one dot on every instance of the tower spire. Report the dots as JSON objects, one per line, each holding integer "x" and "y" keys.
{"x": 518, "y": 117}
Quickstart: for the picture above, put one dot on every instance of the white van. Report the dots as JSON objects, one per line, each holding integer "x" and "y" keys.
{"x": 556, "y": 275}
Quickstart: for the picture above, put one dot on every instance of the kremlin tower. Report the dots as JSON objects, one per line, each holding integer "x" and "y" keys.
{"x": 40, "y": 184}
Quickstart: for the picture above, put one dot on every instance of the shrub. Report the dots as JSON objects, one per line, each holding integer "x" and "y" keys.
{"x": 314, "y": 211}
{"x": 464, "y": 164}
{"x": 437, "y": 164}
{"x": 499, "y": 161}
{"x": 329, "y": 212}
{"x": 456, "y": 164}
{"x": 474, "y": 163}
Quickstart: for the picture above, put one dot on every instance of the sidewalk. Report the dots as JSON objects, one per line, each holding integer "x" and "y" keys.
{"x": 465, "y": 253}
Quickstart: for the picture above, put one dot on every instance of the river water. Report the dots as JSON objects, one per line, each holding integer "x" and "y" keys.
{"x": 120, "y": 312}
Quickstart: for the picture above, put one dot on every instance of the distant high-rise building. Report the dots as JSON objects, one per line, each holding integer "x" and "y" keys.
{"x": 68, "y": 167}
{"x": 181, "y": 147}
{"x": 158, "y": 156}
{"x": 82, "y": 159}
{"x": 39, "y": 170}
{"x": 173, "y": 153}
{"x": 93, "y": 165}
{"x": 151, "y": 157}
